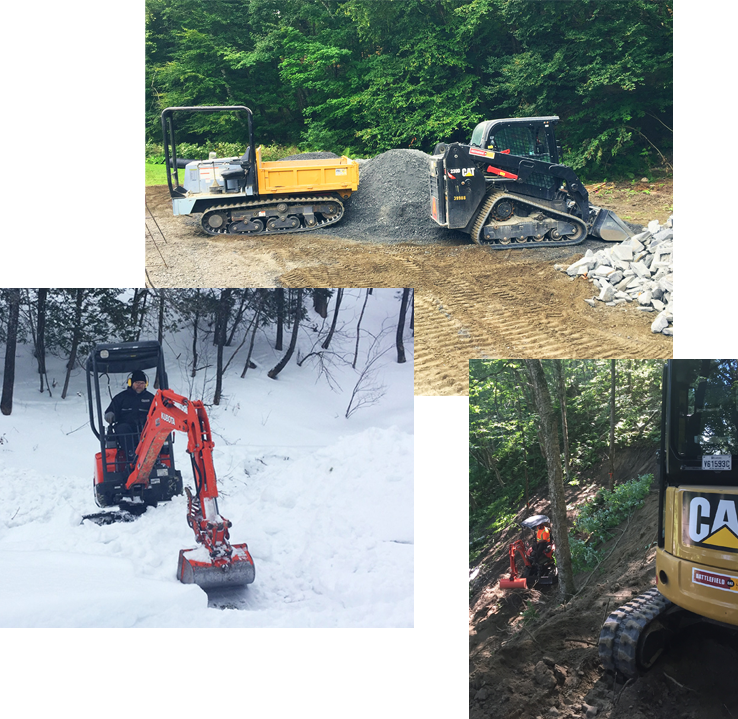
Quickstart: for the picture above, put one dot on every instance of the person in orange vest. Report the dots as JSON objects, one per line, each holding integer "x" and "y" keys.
{"x": 543, "y": 540}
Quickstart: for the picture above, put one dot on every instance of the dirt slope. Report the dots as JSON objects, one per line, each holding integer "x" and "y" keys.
{"x": 694, "y": 680}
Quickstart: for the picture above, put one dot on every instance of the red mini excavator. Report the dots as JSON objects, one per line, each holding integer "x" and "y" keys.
{"x": 539, "y": 567}
{"x": 137, "y": 482}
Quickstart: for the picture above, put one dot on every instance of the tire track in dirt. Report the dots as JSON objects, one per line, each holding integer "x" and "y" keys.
{"x": 470, "y": 301}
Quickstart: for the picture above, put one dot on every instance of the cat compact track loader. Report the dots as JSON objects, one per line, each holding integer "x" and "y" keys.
{"x": 247, "y": 196}
{"x": 506, "y": 189}
{"x": 697, "y": 552}
{"x": 137, "y": 479}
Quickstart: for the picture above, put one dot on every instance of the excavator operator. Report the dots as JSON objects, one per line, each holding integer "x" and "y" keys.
{"x": 128, "y": 411}
{"x": 543, "y": 540}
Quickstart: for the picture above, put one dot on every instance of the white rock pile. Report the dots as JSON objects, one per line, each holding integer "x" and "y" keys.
{"x": 639, "y": 270}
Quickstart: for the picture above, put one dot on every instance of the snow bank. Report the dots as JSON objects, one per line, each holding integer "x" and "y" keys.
{"x": 325, "y": 504}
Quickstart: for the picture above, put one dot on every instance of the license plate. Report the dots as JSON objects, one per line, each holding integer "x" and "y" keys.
{"x": 717, "y": 461}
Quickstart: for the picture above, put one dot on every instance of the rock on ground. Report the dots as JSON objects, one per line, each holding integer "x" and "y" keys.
{"x": 639, "y": 270}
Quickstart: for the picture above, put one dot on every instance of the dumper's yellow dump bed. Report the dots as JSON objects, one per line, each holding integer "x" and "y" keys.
{"x": 292, "y": 176}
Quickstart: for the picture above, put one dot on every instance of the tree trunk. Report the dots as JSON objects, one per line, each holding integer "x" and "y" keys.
{"x": 76, "y": 333}
{"x": 521, "y": 429}
{"x": 160, "y": 334}
{"x": 564, "y": 424}
{"x": 339, "y": 297}
{"x": 239, "y": 316}
{"x": 195, "y": 322}
{"x": 280, "y": 319}
{"x": 6, "y": 401}
{"x": 358, "y": 328}
{"x": 221, "y": 337}
{"x": 401, "y": 326}
{"x": 141, "y": 315}
{"x": 272, "y": 374}
{"x": 611, "y": 481}
{"x": 549, "y": 435}
{"x": 249, "y": 364}
{"x": 320, "y": 301}
{"x": 137, "y": 294}
{"x": 40, "y": 341}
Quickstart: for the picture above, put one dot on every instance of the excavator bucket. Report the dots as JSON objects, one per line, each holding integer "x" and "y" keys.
{"x": 506, "y": 583}
{"x": 196, "y": 567}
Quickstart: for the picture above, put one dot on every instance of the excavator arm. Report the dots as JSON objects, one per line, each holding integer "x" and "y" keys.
{"x": 216, "y": 562}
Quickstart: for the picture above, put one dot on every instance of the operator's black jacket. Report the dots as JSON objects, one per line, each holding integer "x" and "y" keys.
{"x": 131, "y": 408}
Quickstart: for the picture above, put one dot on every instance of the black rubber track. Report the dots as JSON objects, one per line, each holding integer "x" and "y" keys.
{"x": 493, "y": 198}
{"x": 618, "y": 644}
{"x": 270, "y": 202}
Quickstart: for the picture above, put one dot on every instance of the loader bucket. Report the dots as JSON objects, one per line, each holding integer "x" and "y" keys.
{"x": 513, "y": 583}
{"x": 196, "y": 567}
{"x": 609, "y": 227}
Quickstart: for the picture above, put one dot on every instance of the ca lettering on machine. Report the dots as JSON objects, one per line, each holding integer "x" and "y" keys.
{"x": 710, "y": 515}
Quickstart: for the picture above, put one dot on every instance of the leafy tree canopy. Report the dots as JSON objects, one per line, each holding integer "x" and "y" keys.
{"x": 366, "y": 76}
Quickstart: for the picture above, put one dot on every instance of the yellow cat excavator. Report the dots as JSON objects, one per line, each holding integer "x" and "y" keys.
{"x": 697, "y": 553}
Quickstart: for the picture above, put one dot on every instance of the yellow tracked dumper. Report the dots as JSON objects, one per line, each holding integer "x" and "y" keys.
{"x": 247, "y": 196}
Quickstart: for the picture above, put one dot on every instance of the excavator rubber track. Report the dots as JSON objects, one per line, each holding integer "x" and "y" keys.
{"x": 551, "y": 238}
{"x": 623, "y": 644}
{"x": 273, "y": 216}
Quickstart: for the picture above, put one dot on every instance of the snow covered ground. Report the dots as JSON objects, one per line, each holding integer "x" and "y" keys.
{"x": 324, "y": 503}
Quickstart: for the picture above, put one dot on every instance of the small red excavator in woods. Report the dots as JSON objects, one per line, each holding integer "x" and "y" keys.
{"x": 539, "y": 567}
{"x": 136, "y": 482}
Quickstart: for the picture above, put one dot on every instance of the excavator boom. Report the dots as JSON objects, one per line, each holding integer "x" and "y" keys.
{"x": 216, "y": 562}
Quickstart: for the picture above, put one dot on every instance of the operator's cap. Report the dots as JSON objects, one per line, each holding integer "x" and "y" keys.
{"x": 138, "y": 376}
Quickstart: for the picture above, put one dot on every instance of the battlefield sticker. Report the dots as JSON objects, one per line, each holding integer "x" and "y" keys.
{"x": 712, "y": 579}
{"x": 482, "y": 153}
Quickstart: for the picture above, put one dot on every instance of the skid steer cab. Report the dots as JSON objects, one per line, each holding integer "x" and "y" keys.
{"x": 111, "y": 369}
{"x": 538, "y": 565}
{"x": 247, "y": 196}
{"x": 506, "y": 188}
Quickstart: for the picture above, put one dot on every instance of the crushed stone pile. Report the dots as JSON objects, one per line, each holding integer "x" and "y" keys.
{"x": 393, "y": 202}
{"x": 311, "y": 156}
{"x": 639, "y": 270}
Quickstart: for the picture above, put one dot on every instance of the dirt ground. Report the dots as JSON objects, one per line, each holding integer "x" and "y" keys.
{"x": 470, "y": 301}
{"x": 693, "y": 679}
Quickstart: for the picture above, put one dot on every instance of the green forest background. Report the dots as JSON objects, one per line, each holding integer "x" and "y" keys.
{"x": 360, "y": 77}
{"x": 591, "y": 398}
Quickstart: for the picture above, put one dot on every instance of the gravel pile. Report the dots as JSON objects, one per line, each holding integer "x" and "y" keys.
{"x": 311, "y": 156}
{"x": 639, "y": 270}
{"x": 392, "y": 203}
